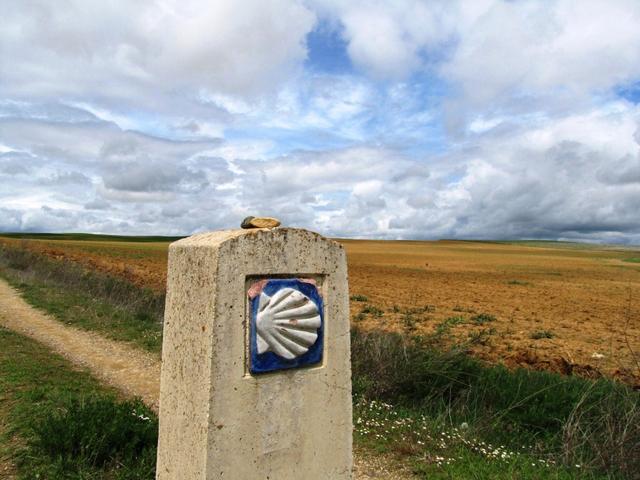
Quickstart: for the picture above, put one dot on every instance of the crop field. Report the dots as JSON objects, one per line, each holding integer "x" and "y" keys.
{"x": 564, "y": 307}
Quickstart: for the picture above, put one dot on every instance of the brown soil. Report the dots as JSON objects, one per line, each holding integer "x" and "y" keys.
{"x": 368, "y": 466}
{"x": 132, "y": 371}
{"x": 589, "y": 300}
{"x": 585, "y": 298}
{"x": 7, "y": 469}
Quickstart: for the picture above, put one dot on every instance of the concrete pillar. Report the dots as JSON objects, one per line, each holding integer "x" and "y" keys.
{"x": 256, "y": 379}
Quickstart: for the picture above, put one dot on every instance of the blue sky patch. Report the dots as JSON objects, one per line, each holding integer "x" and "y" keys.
{"x": 327, "y": 49}
{"x": 630, "y": 92}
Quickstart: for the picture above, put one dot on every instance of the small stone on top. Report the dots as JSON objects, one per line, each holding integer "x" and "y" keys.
{"x": 260, "y": 222}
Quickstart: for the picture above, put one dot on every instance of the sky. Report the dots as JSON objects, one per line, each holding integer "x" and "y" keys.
{"x": 403, "y": 119}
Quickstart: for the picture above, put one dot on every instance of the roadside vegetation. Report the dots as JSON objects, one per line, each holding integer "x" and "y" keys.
{"x": 58, "y": 422}
{"x": 451, "y": 416}
{"x": 86, "y": 299}
{"x": 421, "y": 399}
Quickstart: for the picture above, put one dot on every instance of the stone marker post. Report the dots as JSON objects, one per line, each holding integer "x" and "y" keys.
{"x": 256, "y": 379}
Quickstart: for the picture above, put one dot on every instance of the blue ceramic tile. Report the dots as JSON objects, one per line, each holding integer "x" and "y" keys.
{"x": 270, "y": 361}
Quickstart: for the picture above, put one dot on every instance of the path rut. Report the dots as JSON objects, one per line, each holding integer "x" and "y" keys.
{"x": 129, "y": 369}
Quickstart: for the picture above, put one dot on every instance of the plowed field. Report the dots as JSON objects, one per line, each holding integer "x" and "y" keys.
{"x": 562, "y": 307}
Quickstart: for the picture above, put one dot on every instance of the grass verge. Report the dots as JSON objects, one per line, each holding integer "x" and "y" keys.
{"x": 90, "y": 300}
{"x": 453, "y": 417}
{"x": 60, "y": 423}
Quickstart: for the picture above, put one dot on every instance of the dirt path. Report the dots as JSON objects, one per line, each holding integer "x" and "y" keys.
{"x": 130, "y": 370}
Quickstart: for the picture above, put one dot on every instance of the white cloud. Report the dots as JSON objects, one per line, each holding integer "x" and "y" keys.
{"x": 391, "y": 39}
{"x": 175, "y": 117}
{"x": 495, "y": 50}
{"x": 515, "y": 48}
{"x": 576, "y": 177}
{"x": 122, "y": 49}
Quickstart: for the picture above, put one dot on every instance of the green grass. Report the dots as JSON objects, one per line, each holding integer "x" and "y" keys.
{"x": 541, "y": 334}
{"x": 93, "y": 313}
{"x": 444, "y": 328}
{"x": 632, "y": 260}
{"x": 359, "y": 298}
{"x": 369, "y": 309}
{"x": 436, "y": 449}
{"x": 483, "y": 318}
{"x": 89, "y": 300}
{"x": 558, "y": 244}
{"x": 412, "y": 397}
{"x": 62, "y": 424}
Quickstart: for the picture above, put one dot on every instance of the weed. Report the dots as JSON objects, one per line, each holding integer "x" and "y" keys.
{"x": 373, "y": 310}
{"x": 632, "y": 260}
{"x": 419, "y": 310}
{"x": 358, "y": 298}
{"x": 481, "y": 337}
{"x": 445, "y": 327}
{"x": 409, "y": 321}
{"x": 540, "y": 334}
{"x": 518, "y": 282}
{"x": 483, "y": 318}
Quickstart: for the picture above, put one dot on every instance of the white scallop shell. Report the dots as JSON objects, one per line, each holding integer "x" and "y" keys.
{"x": 287, "y": 323}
